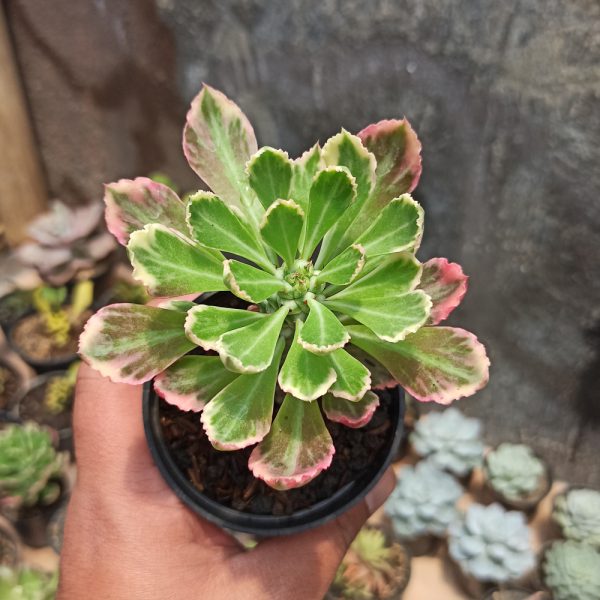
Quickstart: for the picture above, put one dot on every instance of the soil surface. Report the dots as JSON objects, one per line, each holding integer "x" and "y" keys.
{"x": 9, "y": 385}
{"x": 31, "y": 338}
{"x": 33, "y": 408}
{"x": 225, "y": 477}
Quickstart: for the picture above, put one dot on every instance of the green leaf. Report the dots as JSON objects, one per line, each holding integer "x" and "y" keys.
{"x": 438, "y": 364}
{"x": 177, "y": 303}
{"x": 218, "y": 141}
{"x": 322, "y": 332}
{"x": 351, "y": 414}
{"x": 344, "y": 268}
{"x": 131, "y": 343}
{"x": 249, "y": 283}
{"x": 392, "y": 276}
{"x": 392, "y": 318}
{"x": 132, "y": 204}
{"x": 446, "y": 284}
{"x": 192, "y": 381}
{"x": 353, "y": 378}
{"x": 398, "y": 227}
{"x": 250, "y": 349}
{"x": 305, "y": 168}
{"x": 168, "y": 264}
{"x": 381, "y": 378}
{"x": 297, "y": 448}
{"x": 270, "y": 175}
{"x": 348, "y": 151}
{"x": 240, "y": 415}
{"x": 332, "y": 192}
{"x": 281, "y": 228}
{"x": 215, "y": 225}
{"x": 305, "y": 375}
{"x": 206, "y": 324}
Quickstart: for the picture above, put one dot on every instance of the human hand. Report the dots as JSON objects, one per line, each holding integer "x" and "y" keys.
{"x": 128, "y": 537}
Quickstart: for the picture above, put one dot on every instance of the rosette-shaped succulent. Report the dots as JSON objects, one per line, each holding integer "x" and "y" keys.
{"x": 372, "y": 569}
{"x": 578, "y": 513}
{"x": 572, "y": 571}
{"x": 322, "y": 248}
{"x": 28, "y": 465}
{"x": 513, "y": 470}
{"x": 491, "y": 544}
{"x": 67, "y": 242}
{"x": 424, "y": 501}
{"x": 449, "y": 440}
{"x": 27, "y": 584}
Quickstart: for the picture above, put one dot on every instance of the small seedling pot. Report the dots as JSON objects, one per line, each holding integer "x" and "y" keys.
{"x": 10, "y": 545}
{"x": 270, "y": 525}
{"x": 511, "y": 593}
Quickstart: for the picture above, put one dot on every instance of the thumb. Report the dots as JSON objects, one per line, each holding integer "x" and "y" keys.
{"x": 307, "y": 562}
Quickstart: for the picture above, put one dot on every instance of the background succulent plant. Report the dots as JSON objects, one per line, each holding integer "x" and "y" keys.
{"x": 28, "y": 465}
{"x": 423, "y": 501}
{"x": 67, "y": 242}
{"x": 27, "y": 584}
{"x": 513, "y": 470}
{"x": 491, "y": 544}
{"x": 59, "y": 390}
{"x": 372, "y": 569}
{"x": 449, "y": 440}
{"x": 572, "y": 571}
{"x": 324, "y": 247}
{"x": 578, "y": 513}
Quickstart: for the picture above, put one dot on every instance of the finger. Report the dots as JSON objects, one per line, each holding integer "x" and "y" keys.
{"x": 308, "y": 561}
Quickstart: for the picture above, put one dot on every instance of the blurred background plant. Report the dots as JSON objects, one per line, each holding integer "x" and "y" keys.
{"x": 27, "y": 584}
{"x": 577, "y": 511}
{"x": 59, "y": 391}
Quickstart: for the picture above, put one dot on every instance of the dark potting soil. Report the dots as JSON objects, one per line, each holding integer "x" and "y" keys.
{"x": 225, "y": 477}
{"x": 33, "y": 408}
{"x": 9, "y": 386}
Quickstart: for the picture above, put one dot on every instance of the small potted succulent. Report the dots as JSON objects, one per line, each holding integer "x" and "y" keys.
{"x": 422, "y": 506}
{"x": 68, "y": 243}
{"x": 48, "y": 400}
{"x": 315, "y": 285}
{"x": 490, "y": 546}
{"x": 450, "y": 441}
{"x": 516, "y": 594}
{"x": 31, "y": 479}
{"x": 577, "y": 511}
{"x": 516, "y": 477}
{"x": 47, "y": 338}
{"x": 373, "y": 569}
{"x": 10, "y": 545}
{"x": 571, "y": 570}
{"x": 27, "y": 584}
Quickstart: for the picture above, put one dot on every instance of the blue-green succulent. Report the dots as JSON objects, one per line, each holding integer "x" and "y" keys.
{"x": 449, "y": 440}
{"x": 578, "y": 514}
{"x": 424, "y": 501}
{"x": 491, "y": 544}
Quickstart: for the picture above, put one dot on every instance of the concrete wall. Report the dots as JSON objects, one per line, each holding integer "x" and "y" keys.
{"x": 504, "y": 96}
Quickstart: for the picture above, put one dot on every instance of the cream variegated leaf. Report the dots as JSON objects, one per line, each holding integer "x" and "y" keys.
{"x": 351, "y": 414}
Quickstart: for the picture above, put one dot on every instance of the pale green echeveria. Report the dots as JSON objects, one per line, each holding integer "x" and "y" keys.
{"x": 572, "y": 571}
{"x": 423, "y": 501}
{"x": 27, "y": 584}
{"x": 513, "y": 470}
{"x": 29, "y": 465}
{"x": 491, "y": 544}
{"x": 322, "y": 248}
{"x": 578, "y": 514}
{"x": 449, "y": 440}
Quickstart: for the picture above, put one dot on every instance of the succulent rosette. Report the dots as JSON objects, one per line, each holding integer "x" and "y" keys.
{"x": 577, "y": 511}
{"x": 322, "y": 248}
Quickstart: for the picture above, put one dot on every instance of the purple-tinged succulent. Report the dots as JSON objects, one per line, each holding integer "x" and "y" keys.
{"x": 323, "y": 249}
{"x": 67, "y": 242}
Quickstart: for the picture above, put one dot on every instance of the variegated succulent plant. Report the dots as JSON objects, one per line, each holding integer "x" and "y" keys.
{"x": 322, "y": 248}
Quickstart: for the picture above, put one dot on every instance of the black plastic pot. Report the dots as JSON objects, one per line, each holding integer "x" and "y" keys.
{"x": 269, "y": 525}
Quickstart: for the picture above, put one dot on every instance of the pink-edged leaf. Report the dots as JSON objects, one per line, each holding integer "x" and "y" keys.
{"x": 351, "y": 414}
{"x": 397, "y": 151}
{"x": 131, "y": 204}
{"x": 131, "y": 343}
{"x": 446, "y": 284}
{"x": 297, "y": 448}
{"x": 192, "y": 381}
{"x": 241, "y": 413}
{"x": 437, "y": 364}
{"x": 218, "y": 141}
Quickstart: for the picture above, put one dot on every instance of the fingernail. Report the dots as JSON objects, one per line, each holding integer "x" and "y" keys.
{"x": 378, "y": 495}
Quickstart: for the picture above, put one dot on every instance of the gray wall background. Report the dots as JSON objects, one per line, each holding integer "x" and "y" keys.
{"x": 505, "y": 97}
